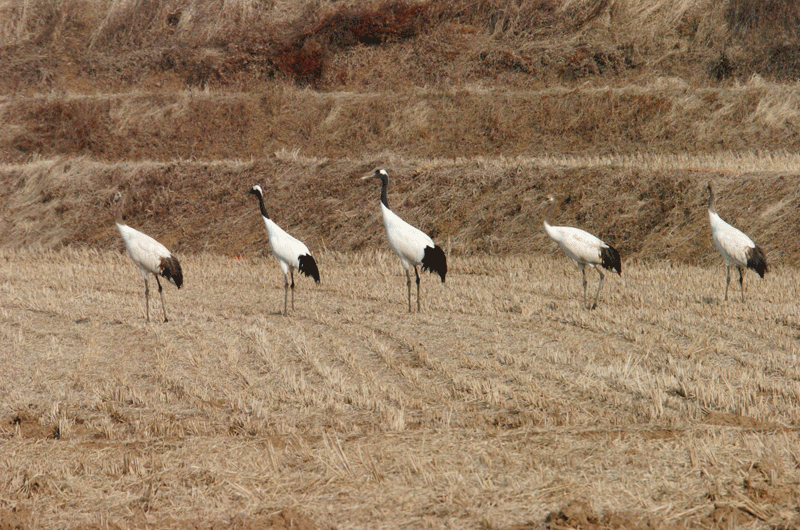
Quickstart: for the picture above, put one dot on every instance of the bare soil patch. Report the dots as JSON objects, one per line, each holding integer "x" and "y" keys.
{"x": 16, "y": 518}
{"x": 26, "y": 424}
{"x": 579, "y": 514}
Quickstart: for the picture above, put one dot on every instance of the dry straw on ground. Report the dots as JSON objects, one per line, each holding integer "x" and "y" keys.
{"x": 500, "y": 400}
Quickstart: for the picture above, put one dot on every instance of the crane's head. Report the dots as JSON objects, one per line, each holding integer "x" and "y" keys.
{"x": 256, "y": 190}
{"x": 379, "y": 174}
{"x": 119, "y": 201}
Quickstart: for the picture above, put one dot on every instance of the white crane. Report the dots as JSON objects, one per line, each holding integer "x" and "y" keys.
{"x": 736, "y": 248}
{"x": 150, "y": 256}
{"x": 412, "y": 246}
{"x": 583, "y": 248}
{"x": 291, "y": 252}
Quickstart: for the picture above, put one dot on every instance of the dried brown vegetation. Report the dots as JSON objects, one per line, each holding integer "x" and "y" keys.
{"x": 80, "y": 44}
{"x": 757, "y": 116}
{"x": 503, "y": 404}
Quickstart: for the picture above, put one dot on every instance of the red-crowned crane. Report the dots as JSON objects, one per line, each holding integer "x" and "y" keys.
{"x": 583, "y": 248}
{"x": 150, "y": 256}
{"x": 412, "y": 246}
{"x": 736, "y": 248}
{"x": 291, "y": 252}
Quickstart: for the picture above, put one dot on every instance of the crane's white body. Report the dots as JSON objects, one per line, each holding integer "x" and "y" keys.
{"x": 736, "y": 248}
{"x": 579, "y": 245}
{"x": 150, "y": 256}
{"x": 584, "y": 249}
{"x": 285, "y": 247}
{"x": 731, "y": 242}
{"x": 145, "y": 251}
{"x": 407, "y": 241}
{"x": 291, "y": 252}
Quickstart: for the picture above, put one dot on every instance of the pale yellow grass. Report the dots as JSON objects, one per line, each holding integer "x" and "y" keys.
{"x": 725, "y": 161}
{"x": 500, "y": 402}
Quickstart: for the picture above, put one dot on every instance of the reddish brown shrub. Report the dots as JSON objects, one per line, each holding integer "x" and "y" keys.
{"x": 303, "y": 57}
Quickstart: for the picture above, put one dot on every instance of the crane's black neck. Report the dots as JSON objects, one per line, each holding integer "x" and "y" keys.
{"x": 712, "y": 205}
{"x": 118, "y": 217}
{"x": 384, "y": 186}
{"x": 261, "y": 203}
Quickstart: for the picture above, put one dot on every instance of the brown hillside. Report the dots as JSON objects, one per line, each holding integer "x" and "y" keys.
{"x": 101, "y": 46}
{"x": 475, "y": 108}
{"x": 211, "y": 80}
{"x": 469, "y": 207}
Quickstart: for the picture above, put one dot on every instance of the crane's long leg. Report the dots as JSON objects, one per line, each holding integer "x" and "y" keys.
{"x": 597, "y": 294}
{"x": 146, "y": 297}
{"x": 285, "y": 292}
{"x": 741, "y": 282}
{"x": 161, "y": 292}
{"x": 727, "y": 281}
{"x": 417, "y": 274}
{"x": 583, "y": 273}
{"x": 408, "y": 284}
{"x": 291, "y": 271}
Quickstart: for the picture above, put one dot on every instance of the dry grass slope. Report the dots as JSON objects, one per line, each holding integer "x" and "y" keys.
{"x": 499, "y": 401}
{"x": 664, "y": 117}
{"x": 77, "y": 44}
{"x": 648, "y": 207}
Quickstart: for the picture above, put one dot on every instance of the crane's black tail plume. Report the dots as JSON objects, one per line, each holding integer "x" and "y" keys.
{"x": 757, "y": 261}
{"x": 434, "y": 260}
{"x": 609, "y": 259}
{"x": 171, "y": 270}
{"x": 308, "y": 267}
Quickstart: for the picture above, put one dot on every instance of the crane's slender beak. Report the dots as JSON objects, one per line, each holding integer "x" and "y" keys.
{"x": 365, "y": 177}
